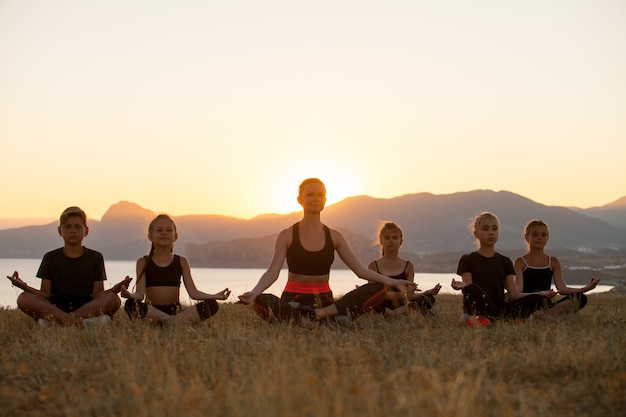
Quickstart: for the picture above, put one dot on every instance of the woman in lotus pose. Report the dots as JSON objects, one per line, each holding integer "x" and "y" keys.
{"x": 309, "y": 247}
{"x": 487, "y": 274}
{"x": 158, "y": 281}
{"x": 536, "y": 270}
{"x": 390, "y": 238}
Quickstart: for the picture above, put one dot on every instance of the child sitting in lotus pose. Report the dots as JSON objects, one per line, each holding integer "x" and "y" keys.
{"x": 158, "y": 281}
{"x": 536, "y": 270}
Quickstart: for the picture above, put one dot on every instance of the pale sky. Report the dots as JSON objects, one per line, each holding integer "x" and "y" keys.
{"x": 223, "y": 107}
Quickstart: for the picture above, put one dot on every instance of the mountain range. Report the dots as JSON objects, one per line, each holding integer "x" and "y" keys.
{"x": 432, "y": 224}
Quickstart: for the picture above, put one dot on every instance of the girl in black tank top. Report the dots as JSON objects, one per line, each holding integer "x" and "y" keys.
{"x": 536, "y": 271}
{"x": 158, "y": 282}
{"x": 390, "y": 239}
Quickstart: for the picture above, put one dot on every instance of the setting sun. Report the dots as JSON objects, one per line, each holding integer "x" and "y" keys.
{"x": 340, "y": 183}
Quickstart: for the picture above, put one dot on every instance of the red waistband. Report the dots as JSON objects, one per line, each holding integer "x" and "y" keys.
{"x": 307, "y": 287}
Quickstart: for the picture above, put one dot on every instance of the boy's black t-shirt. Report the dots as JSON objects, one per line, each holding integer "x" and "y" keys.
{"x": 72, "y": 276}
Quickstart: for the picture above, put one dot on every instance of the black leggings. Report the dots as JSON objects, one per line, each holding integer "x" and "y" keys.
{"x": 423, "y": 304}
{"x": 138, "y": 309}
{"x": 476, "y": 302}
{"x": 353, "y": 304}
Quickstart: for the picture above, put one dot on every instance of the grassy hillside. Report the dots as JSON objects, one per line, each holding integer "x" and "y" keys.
{"x": 238, "y": 365}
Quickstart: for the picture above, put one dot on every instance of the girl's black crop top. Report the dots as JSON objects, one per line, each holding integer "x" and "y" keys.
{"x": 163, "y": 276}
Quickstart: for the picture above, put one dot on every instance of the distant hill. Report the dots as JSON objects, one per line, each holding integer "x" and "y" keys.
{"x": 436, "y": 223}
{"x": 613, "y": 213}
{"x": 15, "y": 223}
{"x": 432, "y": 224}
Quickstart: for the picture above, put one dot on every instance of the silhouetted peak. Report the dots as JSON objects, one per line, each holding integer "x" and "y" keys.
{"x": 621, "y": 202}
{"x": 126, "y": 209}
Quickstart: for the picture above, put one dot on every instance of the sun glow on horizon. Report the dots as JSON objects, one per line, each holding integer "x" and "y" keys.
{"x": 341, "y": 181}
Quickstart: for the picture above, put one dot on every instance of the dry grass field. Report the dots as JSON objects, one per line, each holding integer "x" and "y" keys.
{"x": 238, "y": 365}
